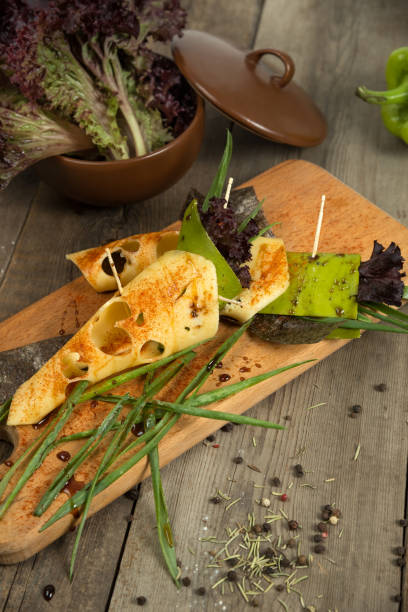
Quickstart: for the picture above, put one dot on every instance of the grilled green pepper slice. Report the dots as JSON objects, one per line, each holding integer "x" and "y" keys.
{"x": 318, "y": 286}
{"x": 394, "y": 102}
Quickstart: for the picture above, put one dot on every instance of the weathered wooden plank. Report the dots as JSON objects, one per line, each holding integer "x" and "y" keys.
{"x": 14, "y": 206}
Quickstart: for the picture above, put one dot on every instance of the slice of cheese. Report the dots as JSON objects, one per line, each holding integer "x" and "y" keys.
{"x": 169, "y": 306}
{"x": 270, "y": 278}
{"x": 131, "y": 255}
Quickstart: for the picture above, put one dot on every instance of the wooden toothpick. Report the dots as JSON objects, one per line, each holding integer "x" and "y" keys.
{"x": 115, "y": 273}
{"x": 228, "y": 191}
{"x": 228, "y": 301}
{"x": 318, "y": 227}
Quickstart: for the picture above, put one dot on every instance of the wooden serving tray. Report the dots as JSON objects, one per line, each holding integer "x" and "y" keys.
{"x": 292, "y": 193}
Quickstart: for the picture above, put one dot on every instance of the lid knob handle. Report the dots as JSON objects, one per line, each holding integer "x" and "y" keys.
{"x": 253, "y": 57}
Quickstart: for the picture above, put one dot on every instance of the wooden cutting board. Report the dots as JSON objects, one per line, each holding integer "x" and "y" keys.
{"x": 292, "y": 193}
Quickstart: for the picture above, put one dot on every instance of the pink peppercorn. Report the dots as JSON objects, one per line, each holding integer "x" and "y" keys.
{"x": 284, "y": 497}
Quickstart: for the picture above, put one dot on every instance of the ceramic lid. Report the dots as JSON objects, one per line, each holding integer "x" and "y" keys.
{"x": 248, "y": 91}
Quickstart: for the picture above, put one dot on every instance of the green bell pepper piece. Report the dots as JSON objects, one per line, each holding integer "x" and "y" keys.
{"x": 325, "y": 286}
{"x": 394, "y": 102}
{"x": 194, "y": 239}
{"x": 343, "y": 334}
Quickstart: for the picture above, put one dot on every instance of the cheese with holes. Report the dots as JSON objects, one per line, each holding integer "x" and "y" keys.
{"x": 170, "y": 305}
{"x": 270, "y": 278}
{"x": 130, "y": 255}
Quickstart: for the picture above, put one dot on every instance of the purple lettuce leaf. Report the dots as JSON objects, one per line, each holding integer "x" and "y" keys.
{"x": 380, "y": 276}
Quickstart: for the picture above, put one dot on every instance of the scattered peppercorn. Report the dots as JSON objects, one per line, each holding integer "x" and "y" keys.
{"x": 326, "y": 515}
{"x": 403, "y": 522}
{"x": 325, "y": 534}
{"x": 328, "y": 507}
{"x": 215, "y": 500}
{"x": 210, "y": 438}
{"x": 265, "y": 502}
{"x": 333, "y": 520}
{"x": 322, "y": 527}
{"x": 293, "y": 525}
{"x": 280, "y": 587}
{"x": 356, "y": 408}
{"x": 275, "y": 482}
{"x": 232, "y": 576}
{"x": 186, "y": 581}
{"x": 336, "y": 512}
{"x": 231, "y": 562}
{"x": 381, "y": 387}
{"x": 319, "y": 549}
{"x": 227, "y": 427}
{"x": 268, "y": 570}
{"x": 200, "y": 591}
{"x": 302, "y": 560}
{"x": 266, "y": 527}
{"x": 400, "y": 551}
{"x": 291, "y": 543}
{"x": 397, "y": 598}
{"x": 216, "y": 446}
{"x": 238, "y": 460}
{"x": 49, "y": 592}
{"x": 400, "y": 561}
{"x": 317, "y": 538}
{"x": 299, "y": 472}
{"x": 284, "y": 497}
{"x": 285, "y": 562}
{"x": 257, "y": 528}
{"x": 141, "y": 600}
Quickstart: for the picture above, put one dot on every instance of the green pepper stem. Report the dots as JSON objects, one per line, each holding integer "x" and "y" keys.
{"x": 399, "y": 95}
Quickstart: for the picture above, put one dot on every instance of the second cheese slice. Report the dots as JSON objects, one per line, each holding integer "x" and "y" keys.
{"x": 169, "y": 306}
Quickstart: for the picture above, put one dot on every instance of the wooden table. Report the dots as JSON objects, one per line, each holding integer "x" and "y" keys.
{"x": 336, "y": 46}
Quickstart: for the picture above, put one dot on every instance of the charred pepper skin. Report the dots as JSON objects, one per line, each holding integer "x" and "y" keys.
{"x": 394, "y": 101}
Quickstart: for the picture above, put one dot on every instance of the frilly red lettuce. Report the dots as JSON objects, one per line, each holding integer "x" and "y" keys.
{"x": 380, "y": 276}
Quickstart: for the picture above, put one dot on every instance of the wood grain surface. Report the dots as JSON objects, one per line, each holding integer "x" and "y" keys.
{"x": 336, "y": 46}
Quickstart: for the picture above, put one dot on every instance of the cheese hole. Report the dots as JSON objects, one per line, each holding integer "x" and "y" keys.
{"x": 72, "y": 367}
{"x": 168, "y": 242}
{"x": 118, "y": 260}
{"x": 8, "y": 442}
{"x": 151, "y": 350}
{"x": 108, "y": 338}
{"x": 132, "y": 246}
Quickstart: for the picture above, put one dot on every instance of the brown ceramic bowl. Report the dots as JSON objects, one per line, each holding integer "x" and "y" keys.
{"x": 113, "y": 183}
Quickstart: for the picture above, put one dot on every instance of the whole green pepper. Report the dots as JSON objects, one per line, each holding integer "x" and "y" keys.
{"x": 394, "y": 101}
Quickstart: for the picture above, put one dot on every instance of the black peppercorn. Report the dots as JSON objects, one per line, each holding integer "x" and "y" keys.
{"x": 319, "y": 549}
{"x": 227, "y": 427}
{"x": 291, "y": 543}
{"x": 141, "y": 600}
{"x": 215, "y": 500}
{"x": 381, "y": 387}
{"x": 302, "y": 560}
{"x": 317, "y": 538}
{"x": 257, "y": 529}
{"x": 186, "y": 581}
{"x": 400, "y": 561}
{"x": 268, "y": 570}
{"x": 299, "y": 470}
{"x": 266, "y": 527}
{"x": 326, "y": 515}
{"x": 280, "y": 587}
{"x": 285, "y": 562}
{"x": 322, "y": 527}
{"x": 403, "y": 522}
{"x": 232, "y": 576}
{"x": 200, "y": 591}
{"x": 293, "y": 525}
{"x": 328, "y": 507}
{"x": 397, "y": 598}
{"x": 210, "y": 438}
{"x": 356, "y": 408}
{"x": 276, "y": 482}
{"x": 238, "y": 460}
{"x": 400, "y": 551}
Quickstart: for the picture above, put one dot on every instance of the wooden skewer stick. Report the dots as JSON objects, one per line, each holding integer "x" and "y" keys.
{"x": 115, "y": 272}
{"x": 318, "y": 227}
{"x": 228, "y": 191}
{"x": 223, "y": 299}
